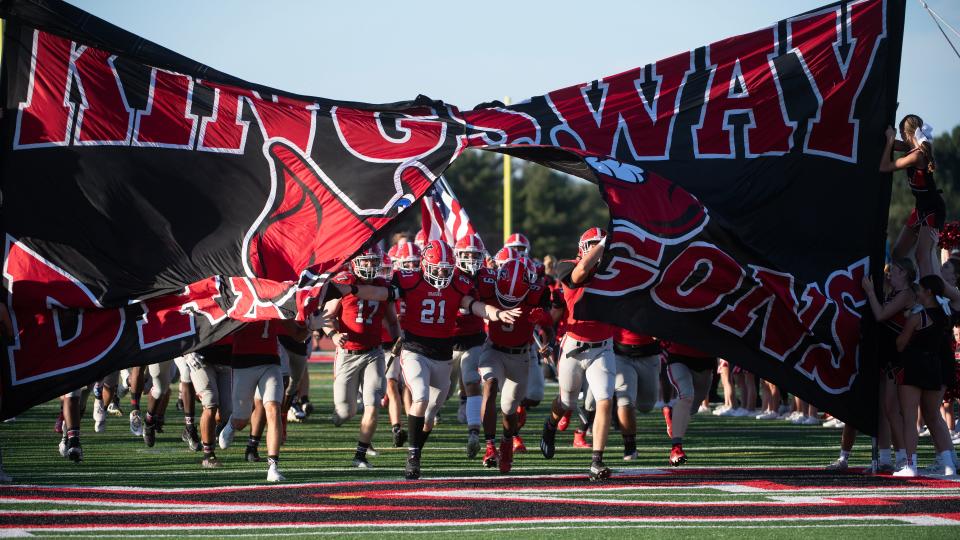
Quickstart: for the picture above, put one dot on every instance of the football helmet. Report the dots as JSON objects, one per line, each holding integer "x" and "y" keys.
{"x": 505, "y": 254}
{"x": 407, "y": 256}
{"x": 421, "y": 239}
{"x": 513, "y": 282}
{"x": 386, "y": 267}
{"x": 366, "y": 265}
{"x": 518, "y": 242}
{"x": 593, "y": 236}
{"x": 469, "y": 252}
{"x": 438, "y": 264}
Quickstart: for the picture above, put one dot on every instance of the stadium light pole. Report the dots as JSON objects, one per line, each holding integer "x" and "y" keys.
{"x": 507, "y": 192}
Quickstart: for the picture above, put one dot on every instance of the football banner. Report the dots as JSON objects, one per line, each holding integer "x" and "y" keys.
{"x": 151, "y": 204}
{"x": 442, "y": 216}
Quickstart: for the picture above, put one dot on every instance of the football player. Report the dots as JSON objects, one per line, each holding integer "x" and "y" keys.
{"x": 586, "y": 351}
{"x": 160, "y": 375}
{"x": 211, "y": 375}
{"x": 519, "y": 243}
{"x": 188, "y": 398}
{"x": 638, "y": 376}
{"x": 432, "y": 299}
{"x": 356, "y": 327}
{"x": 690, "y": 371}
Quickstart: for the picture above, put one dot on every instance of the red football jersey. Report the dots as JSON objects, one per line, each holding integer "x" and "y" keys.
{"x": 430, "y": 312}
{"x": 469, "y": 324}
{"x": 626, "y": 337}
{"x": 575, "y": 328}
{"x": 520, "y": 332}
{"x": 678, "y": 348}
{"x": 360, "y": 320}
{"x": 257, "y": 338}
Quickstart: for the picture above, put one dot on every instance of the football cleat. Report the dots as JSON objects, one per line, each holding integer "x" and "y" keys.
{"x": 668, "y": 418}
{"x": 399, "y": 438}
{"x": 210, "y": 462}
{"x": 191, "y": 437}
{"x": 548, "y": 442}
{"x": 885, "y": 468}
{"x": 307, "y": 408}
{"x": 473, "y": 445}
{"x": 74, "y": 452}
{"x": 840, "y": 465}
{"x": 412, "y": 470}
{"x": 136, "y": 423}
{"x": 273, "y": 474}
{"x": 252, "y": 455}
{"x": 180, "y": 404}
{"x": 564, "y": 421}
{"x": 99, "y": 416}
{"x": 362, "y": 463}
{"x": 677, "y": 456}
{"x": 114, "y": 410}
{"x": 632, "y": 456}
{"x": 62, "y": 447}
{"x": 506, "y": 455}
{"x": 518, "y": 446}
{"x": 490, "y": 458}
{"x": 226, "y": 435}
{"x": 372, "y": 452}
{"x": 599, "y": 471}
{"x": 149, "y": 434}
{"x": 580, "y": 439}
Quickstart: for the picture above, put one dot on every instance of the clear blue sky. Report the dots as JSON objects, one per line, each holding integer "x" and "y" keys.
{"x": 469, "y": 52}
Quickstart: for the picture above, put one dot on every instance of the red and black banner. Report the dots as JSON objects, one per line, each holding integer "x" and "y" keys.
{"x": 152, "y": 204}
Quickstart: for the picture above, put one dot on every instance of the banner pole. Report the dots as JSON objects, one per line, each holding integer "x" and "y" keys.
{"x": 507, "y": 192}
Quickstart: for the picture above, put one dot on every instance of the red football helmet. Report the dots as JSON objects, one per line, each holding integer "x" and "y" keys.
{"x": 407, "y": 256}
{"x": 513, "y": 283}
{"x": 366, "y": 265}
{"x": 386, "y": 267}
{"x": 518, "y": 242}
{"x": 469, "y": 253}
{"x": 421, "y": 239}
{"x": 506, "y": 254}
{"x": 438, "y": 264}
{"x": 593, "y": 236}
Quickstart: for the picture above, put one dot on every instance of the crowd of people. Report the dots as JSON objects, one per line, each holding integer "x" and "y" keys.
{"x": 425, "y": 322}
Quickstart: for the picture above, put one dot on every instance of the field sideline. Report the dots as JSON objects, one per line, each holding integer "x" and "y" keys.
{"x": 764, "y": 479}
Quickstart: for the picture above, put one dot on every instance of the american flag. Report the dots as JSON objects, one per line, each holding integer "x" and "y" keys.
{"x": 442, "y": 216}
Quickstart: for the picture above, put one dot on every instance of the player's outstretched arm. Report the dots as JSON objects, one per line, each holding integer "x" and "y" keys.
{"x": 488, "y": 312}
{"x": 581, "y": 272}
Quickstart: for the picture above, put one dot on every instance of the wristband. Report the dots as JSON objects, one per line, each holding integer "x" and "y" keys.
{"x": 354, "y": 289}
{"x": 391, "y": 294}
{"x": 470, "y": 307}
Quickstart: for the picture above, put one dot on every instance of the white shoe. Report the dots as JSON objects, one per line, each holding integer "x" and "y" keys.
{"x": 950, "y": 469}
{"x": 703, "y": 409}
{"x": 907, "y": 471}
{"x": 136, "y": 423}
{"x": 292, "y": 416}
{"x": 10, "y": 420}
{"x": 830, "y": 423}
{"x": 792, "y": 416}
{"x": 273, "y": 474}
{"x": 720, "y": 410}
{"x": 839, "y": 465}
{"x": 738, "y": 412}
{"x": 811, "y": 421}
{"x": 955, "y": 437}
{"x": 226, "y": 437}
{"x": 924, "y": 432}
{"x": 728, "y": 412}
{"x": 359, "y": 464}
{"x": 769, "y": 415}
{"x": 99, "y": 416}
{"x": 113, "y": 410}
{"x": 372, "y": 452}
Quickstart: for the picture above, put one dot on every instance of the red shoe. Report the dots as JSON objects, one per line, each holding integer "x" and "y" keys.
{"x": 668, "y": 418}
{"x": 677, "y": 456}
{"x": 521, "y": 416}
{"x": 518, "y": 446}
{"x": 564, "y": 421}
{"x": 580, "y": 439}
{"x": 490, "y": 458}
{"x": 506, "y": 455}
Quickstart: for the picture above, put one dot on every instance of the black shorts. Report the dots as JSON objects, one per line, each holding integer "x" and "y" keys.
{"x": 930, "y": 211}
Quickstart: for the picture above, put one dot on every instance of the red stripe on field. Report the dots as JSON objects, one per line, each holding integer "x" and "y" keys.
{"x": 227, "y": 506}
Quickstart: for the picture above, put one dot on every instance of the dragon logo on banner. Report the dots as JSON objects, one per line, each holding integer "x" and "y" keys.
{"x": 153, "y": 204}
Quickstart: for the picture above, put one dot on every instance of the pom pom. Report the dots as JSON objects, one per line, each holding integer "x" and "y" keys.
{"x": 950, "y": 235}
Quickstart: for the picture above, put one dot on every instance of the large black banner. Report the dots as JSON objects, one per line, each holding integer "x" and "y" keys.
{"x": 152, "y": 204}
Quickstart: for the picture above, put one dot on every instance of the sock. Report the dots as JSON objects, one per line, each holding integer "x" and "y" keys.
{"x": 396, "y": 428}
{"x": 415, "y": 427}
{"x": 676, "y": 441}
{"x": 273, "y": 461}
{"x": 474, "y": 404}
{"x": 423, "y": 439}
{"x": 207, "y": 450}
{"x": 71, "y": 433}
{"x": 597, "y": 456}
{"x": 844, "y": 455}
{"x": 253, "y": 442}
{"x": 188, "y": 420}
{"x": 901, "y": 455}
{"x": 946, "y": 457}
{"x": 885, "y": 456}
{"x": 548, "y": 424}
{"x": 629, "y": 444}
{"x": 135, "y": 401}
{"x": 913, "y": 460}
{"x": 361, "y": 450}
